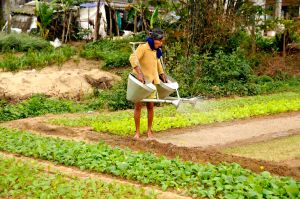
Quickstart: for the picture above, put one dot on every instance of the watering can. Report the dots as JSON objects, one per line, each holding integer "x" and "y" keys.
{"x": 138, "y": 91}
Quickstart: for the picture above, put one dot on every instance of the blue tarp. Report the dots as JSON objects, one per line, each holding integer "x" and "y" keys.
{"x": 90, "y": 5}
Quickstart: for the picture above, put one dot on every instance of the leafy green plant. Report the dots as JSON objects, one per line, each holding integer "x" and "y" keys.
{"x": 27, "y": 179}
{"x": 198, "y": 180}
{"x": 154, "y": 18}
{"x": 35, "y": 106}
{"x": 267, "y": 44}
{"x": 45, "y": 13}
{"x": 205, "y": 112}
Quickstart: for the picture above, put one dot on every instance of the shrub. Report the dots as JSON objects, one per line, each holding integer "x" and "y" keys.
{"x": 22, "y": 43}
{"x": 267, "y": 44}
{"x": 35, "y": 106}
{"x": 115, "y": 53}
{"x": 215, "y": 75}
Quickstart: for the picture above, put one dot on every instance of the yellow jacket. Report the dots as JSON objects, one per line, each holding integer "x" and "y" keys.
{"x": 150, "y": 64}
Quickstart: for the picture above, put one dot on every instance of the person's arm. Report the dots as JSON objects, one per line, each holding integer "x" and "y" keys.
{"x": 134, "y": 61}
{"x": 160, "y": 71}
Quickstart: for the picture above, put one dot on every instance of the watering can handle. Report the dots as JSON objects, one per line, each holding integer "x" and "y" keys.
{"x": 133, "y": 44}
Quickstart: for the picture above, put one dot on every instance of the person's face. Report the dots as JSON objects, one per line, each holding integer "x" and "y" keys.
{"x": 158, "y": 43}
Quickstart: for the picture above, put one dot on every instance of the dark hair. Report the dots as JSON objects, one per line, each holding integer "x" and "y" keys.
{"x": 157, "y": 34}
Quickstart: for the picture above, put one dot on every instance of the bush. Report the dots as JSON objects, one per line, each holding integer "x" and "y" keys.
{"x": 115, "y": 53}
{"x": 215, "y": 75}
{"x": 267, "y": 44}
{"x": 36, "y": 59}
{"x": 35, "y": 106}
{"x": 239, "y": 39}
{"x": 22, "y": 43}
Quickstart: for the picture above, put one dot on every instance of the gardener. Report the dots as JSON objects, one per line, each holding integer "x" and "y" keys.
{"x": 148, "y": 55}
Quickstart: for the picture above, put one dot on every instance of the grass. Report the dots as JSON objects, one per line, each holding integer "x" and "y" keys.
{"x": 36, "y": 59}
{"x": 205, "y": 112}
{"x": 27, "y": 179}
{"x": 35, "y": 106}
{"x": 37, "y": 52}
{"x": 197, "y": 180}
{"x": 279, "y": 149}
{"x": 21, "y": 43}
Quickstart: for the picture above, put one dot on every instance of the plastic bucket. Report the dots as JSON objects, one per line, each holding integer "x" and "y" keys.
{"x": 136, "y": 90}
{"x": 166, "y": 89}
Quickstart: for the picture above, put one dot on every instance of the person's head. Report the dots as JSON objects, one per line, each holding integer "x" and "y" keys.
{"x": 157, "y": 35}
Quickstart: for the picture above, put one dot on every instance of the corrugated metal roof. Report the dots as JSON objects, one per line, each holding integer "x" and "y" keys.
{"x": 27, "y": 10}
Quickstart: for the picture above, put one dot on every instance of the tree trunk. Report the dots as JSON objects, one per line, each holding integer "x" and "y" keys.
{"x": 97, "y": 23}
{"x": 142, "y": 17}
{"x": 135, "y": 23}
{"x": 64, "y": 27}
{"x": 145, "y": 23}
{"x": 110, "y": 23}
{"x": 1, "y": 14}
{"x": 253, "y": 36}
{"x": 116, "y": 23}
{"x": 8, "y": 9}
{"x": 284, "y": 44}
{"x": 68, "y": 28}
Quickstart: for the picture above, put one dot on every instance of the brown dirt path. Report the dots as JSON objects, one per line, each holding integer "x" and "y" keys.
{"x": 214, "y": 136}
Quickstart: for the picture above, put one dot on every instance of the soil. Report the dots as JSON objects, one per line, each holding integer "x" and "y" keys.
{"x": 214, "y": 136}
{"x": 76, "y": 78}
{"x": 197, "y": 154}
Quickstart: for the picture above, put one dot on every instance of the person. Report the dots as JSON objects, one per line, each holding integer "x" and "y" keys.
{"x": 148, "y": 57}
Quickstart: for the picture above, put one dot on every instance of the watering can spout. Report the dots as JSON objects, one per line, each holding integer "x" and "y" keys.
{"x": 176, "y": 102}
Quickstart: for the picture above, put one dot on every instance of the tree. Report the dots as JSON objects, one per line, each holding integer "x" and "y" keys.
{"x": 44, "y": 12}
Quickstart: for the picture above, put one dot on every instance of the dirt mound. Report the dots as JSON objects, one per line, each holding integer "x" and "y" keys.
{"x": 72, "y": 80}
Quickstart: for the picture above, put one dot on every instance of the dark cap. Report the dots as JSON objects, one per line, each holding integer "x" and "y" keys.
{"x": 157, "y": 34}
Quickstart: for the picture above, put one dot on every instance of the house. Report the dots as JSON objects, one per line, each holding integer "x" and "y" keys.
{"x": 284, "y": 8}
{"x": 24, "y": 19}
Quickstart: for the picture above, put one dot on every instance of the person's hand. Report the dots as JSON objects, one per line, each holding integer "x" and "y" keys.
{"x": 140, "y": 77}
{"x": 139, "y": 74}
{"x": 163, "y": 78}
